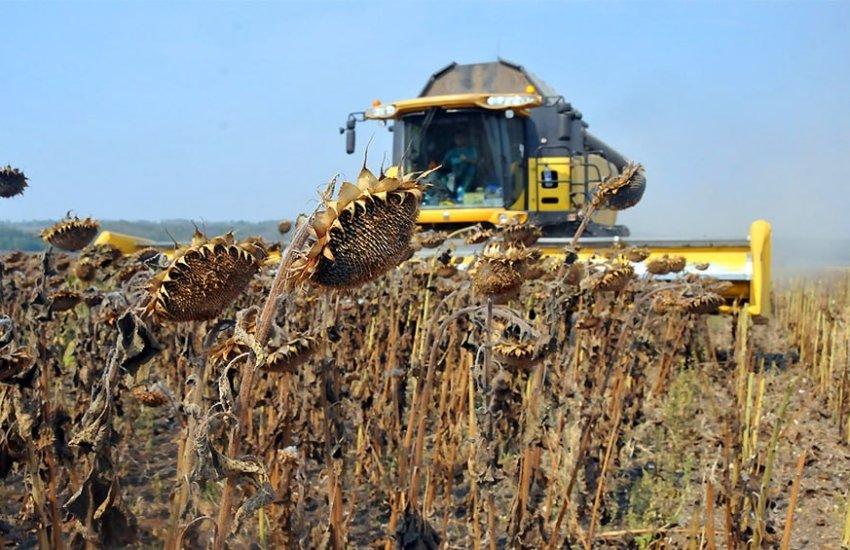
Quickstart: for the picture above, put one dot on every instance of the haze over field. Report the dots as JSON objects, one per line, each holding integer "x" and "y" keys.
{"x": 223, "y": 111}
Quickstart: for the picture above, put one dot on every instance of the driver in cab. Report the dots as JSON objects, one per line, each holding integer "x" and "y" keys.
{"x": 461, "y": 161}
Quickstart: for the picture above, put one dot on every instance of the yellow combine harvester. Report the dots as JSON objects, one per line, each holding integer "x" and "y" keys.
{"x": 511, "y": 148}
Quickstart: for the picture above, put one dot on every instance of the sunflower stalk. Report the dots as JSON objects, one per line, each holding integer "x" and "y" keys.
{"x": 243, "y": 404}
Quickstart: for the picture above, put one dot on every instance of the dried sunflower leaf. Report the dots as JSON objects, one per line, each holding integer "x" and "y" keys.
{"x": 135, "y": 342}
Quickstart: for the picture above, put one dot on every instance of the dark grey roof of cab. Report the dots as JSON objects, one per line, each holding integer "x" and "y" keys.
{"x": 501, "y": 77}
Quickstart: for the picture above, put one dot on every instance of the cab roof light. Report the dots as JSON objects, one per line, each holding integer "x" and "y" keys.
{"x": 381, "y": 111}
{"x": 507, "y": 101}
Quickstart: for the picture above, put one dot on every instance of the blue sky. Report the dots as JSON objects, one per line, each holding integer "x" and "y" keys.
{"x": 230, "y": 110}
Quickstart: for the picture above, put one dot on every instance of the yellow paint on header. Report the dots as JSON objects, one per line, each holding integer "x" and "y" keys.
{"x": 127, "y": 244}
{"x": 494, "y": 216}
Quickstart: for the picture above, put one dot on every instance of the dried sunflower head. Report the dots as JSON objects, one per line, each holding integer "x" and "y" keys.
{"x": 624, "y": 190}
{"x": 257, "y": 245}
{"x": 659, "y": 266}
{"x": 71, "y": 234}
{"x": 14, "y": 259}
{"x": 203, "y": 279}
{"x": 493, "y": 278}
{"x": 702, "y": 303}
{"x": 536, "y": 271}
{"x": 446, "y": 271}
{"x": 431, "y": 239}
{"x": 610, "y": 278}
{"x": 12, "y": 182}
{"x": 292, "y": 354}
{"x": 85, "y": 270}
{"x": 446, "y": 265}
{"x": 637, "y": 254}
{"x": 573, "y": 273}
{"x": 676, "y": 263}
{"x": 93, "y": 297}
{"x": 517, "y": 353}
{"x": 284, "y": 226}
{"x": 478, "y": 234}
{"x": 522, "y": 233}
{"x": 499, "y": 271}
{"x": 514, "y": 254}
{"x": 65, "y": 300}
{"x": 103, "y": 255}
{"x": 362, "y": 234}
{"x": 150, "y": 396}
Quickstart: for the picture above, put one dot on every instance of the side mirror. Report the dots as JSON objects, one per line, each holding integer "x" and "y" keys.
{"x": 350, "y": 139}
{"x": 564, "y": 125}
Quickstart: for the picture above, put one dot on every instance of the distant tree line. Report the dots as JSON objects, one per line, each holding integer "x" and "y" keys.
{"x": 25, "y": 235}
{"x": 12, "y": 238}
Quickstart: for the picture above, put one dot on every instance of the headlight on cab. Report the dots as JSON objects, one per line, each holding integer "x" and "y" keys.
{"x": 381, "y": 111}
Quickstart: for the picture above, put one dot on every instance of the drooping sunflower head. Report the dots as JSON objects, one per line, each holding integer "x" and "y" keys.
{"x": 499, "y": 272}
{"x": 659, "y": 266}
{"x": 609, "y": 277}
{"x": 65, "y": 300}
{"x": 696, "y": 301}
{"x": 514, "y": 254}
{"x": 702, "y": 302}
{"x": 150, "y": 395}
{"x": 71, "y": 234}
{"x": 478, "y": 234}
{"x": 676, "y": 263}
{"x": 203, "y": 279}
{"x": 542, "y": 269}
{"x": 521, "y": 233}
{"x": 637, "y": 254}
{"x": 517, "y": 353}
{"x": 85, "y": 270}
{"x": 292, "y": 353}
{"x": 496, "y": 279}
{"x": 362, "y": 234}
{"x": 624, "y": 190}
{"x": 431, "y": 239}
{"x": 12, "y": 182}
{"x": 101, "y": 255}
